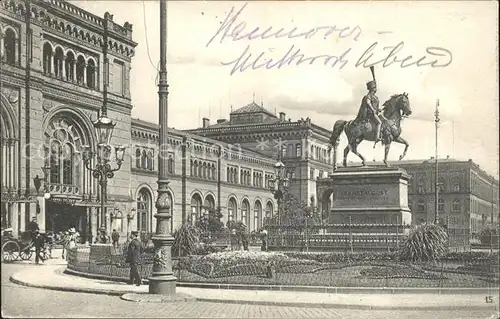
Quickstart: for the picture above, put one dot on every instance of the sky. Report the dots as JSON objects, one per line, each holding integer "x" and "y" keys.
{"x": 455, "y": 42}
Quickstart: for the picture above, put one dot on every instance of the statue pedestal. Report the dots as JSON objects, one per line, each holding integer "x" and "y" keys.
{"x": 369, "y": 195}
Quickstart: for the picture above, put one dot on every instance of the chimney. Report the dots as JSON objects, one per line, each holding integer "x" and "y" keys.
{"x": 206, "y": 122}
{"x": 221, "y": 121}
{"x": 447, "y": 157}
{"x": 282, "y": 117}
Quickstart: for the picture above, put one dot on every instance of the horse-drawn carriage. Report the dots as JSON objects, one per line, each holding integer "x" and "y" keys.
{"x": 19, "y": 248}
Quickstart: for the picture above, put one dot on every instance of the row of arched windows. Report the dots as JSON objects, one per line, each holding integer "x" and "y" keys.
{"x": 144, "y": 159}
{"x": 442, "y": 185}
{"x": 202, "y": 169}
{"x": 245, "y": 176}
{"x": 232, "y": 174}
{"x": 68, "y": 67}
{"x": 253, "y": 221}
{"x": 257, "y": 179}
{"x": 421, "y": 206}
{"x": 291, "y": 150}
{"x": 320, "y": 154}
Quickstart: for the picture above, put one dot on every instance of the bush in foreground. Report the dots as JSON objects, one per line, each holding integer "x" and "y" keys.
{"x": 426, "y": 242}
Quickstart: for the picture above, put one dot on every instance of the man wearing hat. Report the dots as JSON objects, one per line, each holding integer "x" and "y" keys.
{"x": 369, "y": 108}
{"x": 133, "y": 257}
{"x": 39, "y": 243}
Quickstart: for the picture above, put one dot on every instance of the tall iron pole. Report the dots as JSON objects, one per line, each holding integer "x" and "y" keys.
{"x": 436, "y": 186}
{"x": 163, "y": 280}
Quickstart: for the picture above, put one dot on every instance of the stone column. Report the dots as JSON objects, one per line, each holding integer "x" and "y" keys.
{"x": 14, "y": 217}
{"x": 4, "y": 164}
{"x": 52, "y": 69}
{"x": 63, "y": 62}
{"x": 10, "y": 163}
{"x": 2, "y": 51}
{"x": 85, "y": 74}
{"x": 74, "y": 71}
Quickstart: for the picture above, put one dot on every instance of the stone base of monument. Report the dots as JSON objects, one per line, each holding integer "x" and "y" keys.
{"x": 369, "y": 195}
{"x": 145, "y": 297}
{"x": 368, "y": 209}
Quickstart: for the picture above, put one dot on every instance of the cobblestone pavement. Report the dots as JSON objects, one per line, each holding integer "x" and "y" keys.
{"x": 19, "y": 301}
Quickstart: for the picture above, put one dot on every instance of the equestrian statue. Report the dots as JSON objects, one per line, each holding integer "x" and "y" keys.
{"x": 373, "y": 124}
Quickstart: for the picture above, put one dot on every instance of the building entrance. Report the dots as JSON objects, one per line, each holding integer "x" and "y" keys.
{"x": 60, "y": 217}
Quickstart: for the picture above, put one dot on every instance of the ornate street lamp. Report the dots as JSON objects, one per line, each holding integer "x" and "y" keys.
{"x": 278, "y": 184}
{"x": 103, "y": 169}
{"x": 130, "y": 216}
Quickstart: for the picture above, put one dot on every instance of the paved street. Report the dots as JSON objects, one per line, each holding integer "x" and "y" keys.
{"x": 19, "y": 301}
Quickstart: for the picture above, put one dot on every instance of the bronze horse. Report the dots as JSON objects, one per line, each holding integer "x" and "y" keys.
{"x": 394, "y": 110}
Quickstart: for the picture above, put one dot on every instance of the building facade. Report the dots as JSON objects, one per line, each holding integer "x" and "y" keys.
{"x": 204, "y": 174}
{"x": 301, "y": 145}
{"x": 467, "y": 195}
{"x": 52, "y": 79}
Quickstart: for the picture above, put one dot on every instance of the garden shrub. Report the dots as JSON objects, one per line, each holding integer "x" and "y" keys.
{"x": 186, "y": 240}
{"x": 425, "y": 242}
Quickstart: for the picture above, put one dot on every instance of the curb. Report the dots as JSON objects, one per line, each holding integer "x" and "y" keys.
{"x": 345, "y": 306}
{"x": 328, "y": 290}
{"x": 127, "y": 295}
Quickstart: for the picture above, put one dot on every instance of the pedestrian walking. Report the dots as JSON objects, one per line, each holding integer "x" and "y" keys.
{"x": 32, "y": 228}
{"x": 133, "y": 258}
{"x": 39, "y": 243}
{"x": 115, "y": 236}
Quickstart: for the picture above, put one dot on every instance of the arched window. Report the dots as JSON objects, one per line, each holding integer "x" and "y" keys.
{"x": 58, "y": 62}
{"x": 456, "y": 185}
{"x": 440, "y": 205}
{"x": 283, "y": 151}
{"x": 204, "y": 170}
{"x": 55, "y": 151}
{"x": 80, "y": 70}
{"x": 195, "y": 207}
{"x": 200, "y": 169}
{"x": 214, "y": 172}
{"x": 138, "y": 158}
{"x": 257, "y": 215}
{"x": 209, "y": 202}
{"x": 170, "y": 164}
{"x": 67, "y": 160}
{"x": 150, "y": 160}
{"x": 269, "y": 210}
{"x": 441, "y": 185}
{"x": 144, "y": 160}
{"x": 232, "y": 210}
{"x": 47, "y": 58}
{"x": 312, "y": 152}
{"x": 455, "y": 207}
{"x": 420, "y": 186}
{"x": 91, "y": 74}
{"x": 195, "y": 168}
{"x": 298, "y": 148}
{"x": 228, "y": 175}
{"x": 144, "y": 201}
{"x": 70, "y": 64}
{"x": 245, "y": 212}
{"x": 10, "y": 43}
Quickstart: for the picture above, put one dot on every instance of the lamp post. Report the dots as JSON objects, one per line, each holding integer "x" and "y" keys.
{"x": 163, "y": 281}
{"x": 436, "y": 188}
{"x": 130, "y": 216}
{"x": 103, "y": 169}
{"x": 278, "y": 184}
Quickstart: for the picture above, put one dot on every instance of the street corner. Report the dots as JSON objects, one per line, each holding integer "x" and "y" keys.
{"x": 153, "y": 298}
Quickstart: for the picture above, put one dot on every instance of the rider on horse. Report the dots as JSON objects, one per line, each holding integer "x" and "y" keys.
{"x": 369, "y": 108}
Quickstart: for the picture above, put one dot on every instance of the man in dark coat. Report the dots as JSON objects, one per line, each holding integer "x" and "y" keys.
{"x": 133, "y": 257}
{"x": 38, "y": 242}
{"x": 32, "y": 228}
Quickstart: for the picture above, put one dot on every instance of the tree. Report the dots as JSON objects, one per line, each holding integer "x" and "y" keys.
{"x": 295, "y": 212}
{"x": 211, "y": 222}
